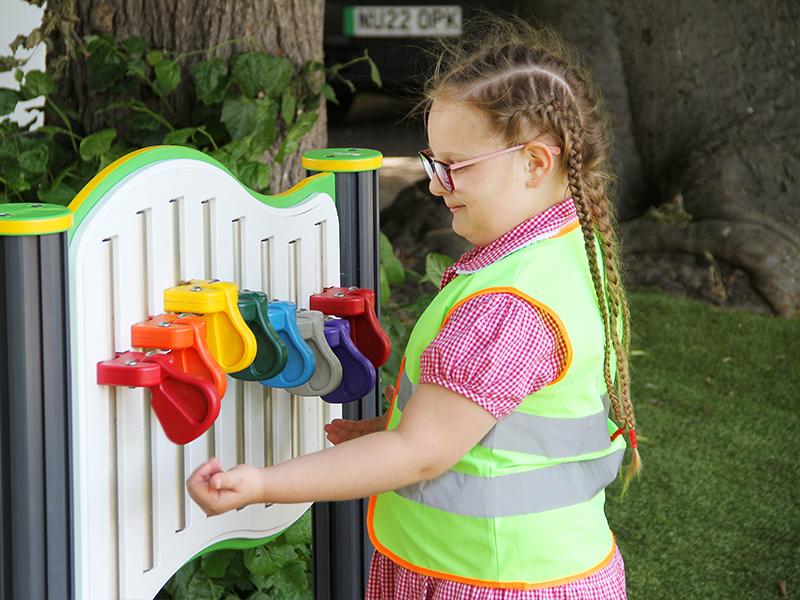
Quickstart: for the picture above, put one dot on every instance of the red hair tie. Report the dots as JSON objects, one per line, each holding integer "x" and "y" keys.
{"x": 617, "y": 432}
{"x": 632, "y": 437}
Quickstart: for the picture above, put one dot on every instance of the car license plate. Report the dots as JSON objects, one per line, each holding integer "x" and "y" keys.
{"x": 402, "y": 21}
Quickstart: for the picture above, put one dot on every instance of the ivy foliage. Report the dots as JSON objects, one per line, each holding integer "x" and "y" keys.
{"x": 250, "y": 106}
{"x": 278, "y": 570}
{"x": 405, "y": 294}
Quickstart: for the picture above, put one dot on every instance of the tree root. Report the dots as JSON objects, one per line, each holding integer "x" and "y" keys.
{"x": 770, "y": 259}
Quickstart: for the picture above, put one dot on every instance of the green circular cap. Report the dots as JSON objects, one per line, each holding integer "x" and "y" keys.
{"x": 23, "y": 218}
{"x": 341, "y": 160}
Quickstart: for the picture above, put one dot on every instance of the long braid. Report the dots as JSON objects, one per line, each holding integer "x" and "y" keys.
{"x": 572, "y": 136}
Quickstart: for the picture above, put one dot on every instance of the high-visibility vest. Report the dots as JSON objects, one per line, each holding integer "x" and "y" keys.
{"x": 524, "y": 507}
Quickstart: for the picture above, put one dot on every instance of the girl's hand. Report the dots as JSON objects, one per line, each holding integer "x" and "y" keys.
{"x": 342, "y": 430}
{"x": 217, "y": 491}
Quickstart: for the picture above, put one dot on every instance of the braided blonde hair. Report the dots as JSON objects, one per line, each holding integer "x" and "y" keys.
{"x": 529, "y": 82}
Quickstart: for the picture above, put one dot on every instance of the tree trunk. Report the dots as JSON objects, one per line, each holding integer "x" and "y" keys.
{"x": 290, "y": 28}
{"x": 706, "y": 103}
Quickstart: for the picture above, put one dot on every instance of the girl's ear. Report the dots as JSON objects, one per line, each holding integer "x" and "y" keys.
{"x": 539, "y": 163}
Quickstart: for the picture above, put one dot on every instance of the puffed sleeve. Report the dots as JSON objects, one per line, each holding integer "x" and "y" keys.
{"x": 495, "y": 349}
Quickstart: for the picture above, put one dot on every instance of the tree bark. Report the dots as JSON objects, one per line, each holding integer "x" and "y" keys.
{"x": 290, "y": 28}
{"x": 716, "y": 104}
{"x": 706, "y": 106}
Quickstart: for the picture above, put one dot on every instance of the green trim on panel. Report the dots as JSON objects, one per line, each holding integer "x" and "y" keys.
{"x": 235, "y": 544}
{"x": 342, "y": 160}
{"x": 106, "y": 179}
{"x": 23, "y": 218}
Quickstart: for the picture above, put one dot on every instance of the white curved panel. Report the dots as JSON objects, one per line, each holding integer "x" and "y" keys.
{"x": 172, "y": 220}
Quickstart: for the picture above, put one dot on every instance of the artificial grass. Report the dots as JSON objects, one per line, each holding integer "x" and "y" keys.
{"x": 716, "y": 511}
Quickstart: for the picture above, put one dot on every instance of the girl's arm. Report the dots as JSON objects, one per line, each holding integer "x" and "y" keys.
{"x": 438, "y": 427}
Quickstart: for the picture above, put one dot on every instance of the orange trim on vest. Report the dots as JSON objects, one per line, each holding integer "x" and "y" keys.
{"x": 531, "y": 301}
{"x": 515, "y": 585}
{"x": 565, "y": 230}
{"x": 396, "y": 391}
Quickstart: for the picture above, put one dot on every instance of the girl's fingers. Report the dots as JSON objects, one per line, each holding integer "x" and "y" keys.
{"x": 205, "y": 471}
{"x": 226, "y": 480}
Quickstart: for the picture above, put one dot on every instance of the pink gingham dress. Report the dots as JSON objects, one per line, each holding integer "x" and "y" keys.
{"x": 496, "y": 349}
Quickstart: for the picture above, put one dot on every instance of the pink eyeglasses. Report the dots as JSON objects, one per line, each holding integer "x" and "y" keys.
{"x": 442, "y": 171}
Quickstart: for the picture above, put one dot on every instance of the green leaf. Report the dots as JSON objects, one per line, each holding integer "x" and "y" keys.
{"x": 329, "y": 93}
{"x": 154, "y": 57}
{"x": 288, "y": 106}
{"x": 178, "y": 585}
{"x": 168, "y": 75}
{"x": 37, "y": 83}
{"x": 179, "y": 136}
{"x": 16, "y": 178}
{"x": 134, "y": 45}
{"x": 395, "y": 271}
{"x": 295, "y": 135}
{"x": 266, "y": 130}
{"x": 208, "y": 75}
{"x": 254, "y": 175}
{"x": 295, "y": 574}
{"x": 435, "y": 265}
{"x": 97, "y": 144}
{"x": 142, "y": 121}
{"x": 59, "y": 193}
{"x": 202, "y": 587}
{"x": 268, "y": 559}
{"x": 239, "y": 117}
{"x": 215, "y": 564}
{"x": 34, "y": 160}
{"x": 300, "y": 531}
{"x": 8, "y": 100}
{"x": 259, "y": 72}
{"x": 374, "y": 74}
{"x": 385, "y": 290}
{"x": 105, "y": 65}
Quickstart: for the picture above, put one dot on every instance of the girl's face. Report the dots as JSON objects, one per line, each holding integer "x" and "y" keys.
{"x": 490, "y": 197}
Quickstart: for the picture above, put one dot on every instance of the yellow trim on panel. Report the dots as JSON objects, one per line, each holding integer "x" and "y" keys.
{"x": 36, "y": 226}
{"x": 300, "y": 184}
{"x": 332, "y": 164}
{"x": 95, "y": 181}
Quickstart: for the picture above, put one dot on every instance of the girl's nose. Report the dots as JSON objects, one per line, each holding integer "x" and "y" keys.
{"x": 436, "y": 188}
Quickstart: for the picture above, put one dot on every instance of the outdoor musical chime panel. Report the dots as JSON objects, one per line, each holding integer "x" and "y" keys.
{"x": 192, "y": 301}
{"x": 215, "y": 329}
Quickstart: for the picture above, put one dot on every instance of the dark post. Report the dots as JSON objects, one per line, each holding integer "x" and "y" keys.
{"x": 342, "y": 550}
{"x": 35, "y": 511}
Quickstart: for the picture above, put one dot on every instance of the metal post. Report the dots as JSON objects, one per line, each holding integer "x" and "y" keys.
{"x": 35, "y": 512}
{"x": 341, "y": 549}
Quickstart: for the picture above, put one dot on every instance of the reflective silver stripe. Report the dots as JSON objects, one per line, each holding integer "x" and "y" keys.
{"x": 406, "y": 390}
{"x": 549, "y": 436}
{"x": 518, "y": 494}
{"x": 552, "y": 437}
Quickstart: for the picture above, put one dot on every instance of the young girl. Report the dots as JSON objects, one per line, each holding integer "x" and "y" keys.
{"x": 487, "y": 476}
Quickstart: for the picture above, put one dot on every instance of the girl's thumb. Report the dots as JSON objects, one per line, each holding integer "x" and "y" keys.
{"x": 225, "y": 480}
